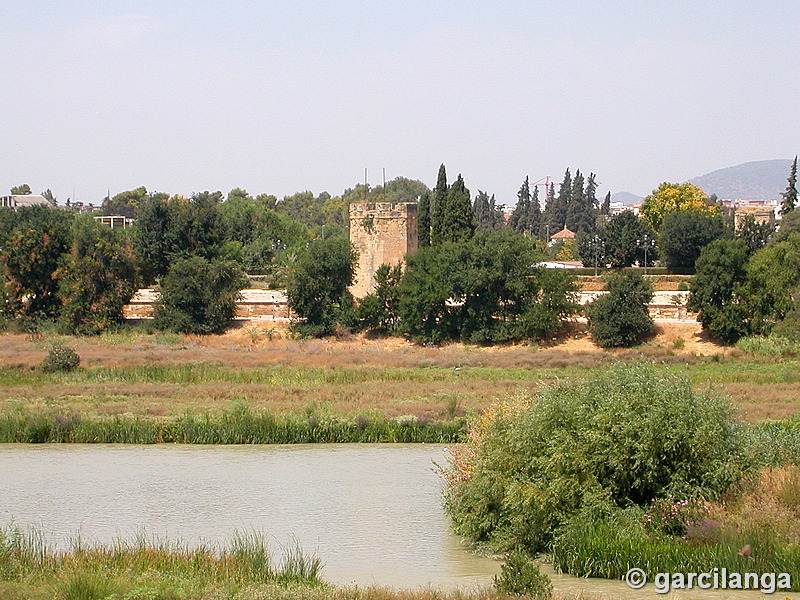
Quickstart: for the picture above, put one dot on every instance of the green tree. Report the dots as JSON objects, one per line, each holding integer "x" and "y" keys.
{"x": 484, "y": 290}
{"x": 620, "y": 318}
{"x": 527, "y": 215}
{"x": 557, "y": 206}
{"x": 168, "y": 229}
{"x": 456, "y": 219}
{"x": 773, "y": 278}
{"x": 717, "y": 289}
{"x": 621, "y": 237}
{"x": 424, "y": 221}
{"x": 32, "y": 242}
{"x": 379, "y": 311}
{"x": 684, "y": 234}
{"x": 669, "y": 197}
{"x": 790, "y": 195}
{"x": 129, "y": 202}
{"x": 605, "y": 208}
{"x": 487, "y": 215}
{"x": 438, "y": 203}
{"x": 789, "y": 224}
{"x": 97, "y": 278}
{"x": 754, "y": 234}
{"x": 317, "y": 286}
{"x": 21, "y": 190}
{"x": 198, "y": 296}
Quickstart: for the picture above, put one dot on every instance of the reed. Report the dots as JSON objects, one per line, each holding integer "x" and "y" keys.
{"x": 238, "y": 425}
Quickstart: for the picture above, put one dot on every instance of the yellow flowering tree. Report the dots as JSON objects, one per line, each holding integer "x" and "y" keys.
{"x": 669, "y": 197}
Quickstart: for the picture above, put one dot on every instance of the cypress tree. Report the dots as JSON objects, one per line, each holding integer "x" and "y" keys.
{"x": 424, "y": 220}
{"x": 535, "y": 215}
{"x": 519, "y": 218}
{"x": 605, "y": 209}
{"x": 790, "y": 195}
{"x": 558, "y": 215}
{"x": 438, "y": 205}
{"x": 456, "y": 220}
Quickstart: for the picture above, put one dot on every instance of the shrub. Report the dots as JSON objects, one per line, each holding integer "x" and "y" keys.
{"x": 628, "y": 436}
{"x": 620, "y": 318}
{"x": 317, "y": 287}
{"x": 198, "y": 296}
{"x": 520, "y": 576}
{"x": 60, "y": 358}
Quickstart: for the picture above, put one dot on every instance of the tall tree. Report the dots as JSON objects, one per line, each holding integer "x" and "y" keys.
{"x": 32, "y": 242}
{"x": 424, "y": 220}
{"x": 605, "y": 209}
{"x": 557, "y": 217}
{"x": 790, "y": 195}
{"x": 456, "y": 219}
{"x": 488, "y": 215}
{"x": 438, "y": 203}
{"x": 519, "y": 216}
{"x": 96, "y": 278}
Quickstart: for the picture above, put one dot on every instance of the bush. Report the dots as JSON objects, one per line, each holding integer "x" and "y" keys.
{"x": 317, "y": 287}
{"x": 198, "y": 296}
{"x": 60, "y": 359}
{"x": 520, "y": 576}
{"x": 620, "y": 318}
{"x": 625, "y": 437}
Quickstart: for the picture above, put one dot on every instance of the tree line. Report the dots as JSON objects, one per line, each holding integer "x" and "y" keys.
{"x": 474, "y": 277}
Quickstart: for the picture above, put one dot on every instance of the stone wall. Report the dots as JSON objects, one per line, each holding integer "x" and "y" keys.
{"x": 382, "y": 233}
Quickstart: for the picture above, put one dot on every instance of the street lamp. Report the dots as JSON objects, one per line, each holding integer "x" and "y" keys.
{"x": 596, "y": 245}
{"x": 646, "y": 244}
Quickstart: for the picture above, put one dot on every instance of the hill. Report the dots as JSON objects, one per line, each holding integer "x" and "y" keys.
{"x": 626, "y": 198}
{"x": 758, "y": 180}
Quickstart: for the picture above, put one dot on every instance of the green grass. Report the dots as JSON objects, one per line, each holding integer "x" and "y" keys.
{"x": 763, "y": 370}
{"x": 238, "y": 425}
{"x": 595, "y": 548}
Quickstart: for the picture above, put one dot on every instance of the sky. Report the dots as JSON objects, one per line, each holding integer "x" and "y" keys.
{"x": 278, "y": 97}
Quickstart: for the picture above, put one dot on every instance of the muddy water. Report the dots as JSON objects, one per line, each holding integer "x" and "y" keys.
{"x": 372, "y": 513}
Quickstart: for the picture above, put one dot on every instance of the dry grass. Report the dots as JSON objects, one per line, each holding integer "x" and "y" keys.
{"x": 465, "y": 377}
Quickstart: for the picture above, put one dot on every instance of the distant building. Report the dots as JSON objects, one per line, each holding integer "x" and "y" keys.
{"x": 562, "y": 236}
{"x": 763, "y": 211}
{"x": 16, "y": 201}
{"x": 114, "y": 221}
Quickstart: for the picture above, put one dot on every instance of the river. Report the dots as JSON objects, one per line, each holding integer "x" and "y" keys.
{"x": 372, "y": 512}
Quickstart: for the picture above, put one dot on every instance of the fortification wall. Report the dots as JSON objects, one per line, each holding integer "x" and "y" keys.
{"x": 382, "y": 233}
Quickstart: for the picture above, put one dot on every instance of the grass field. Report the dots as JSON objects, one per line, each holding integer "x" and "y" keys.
{"x": 134, "y": 374}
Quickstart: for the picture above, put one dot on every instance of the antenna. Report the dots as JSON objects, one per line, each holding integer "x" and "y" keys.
{"x": 384, "y": 184}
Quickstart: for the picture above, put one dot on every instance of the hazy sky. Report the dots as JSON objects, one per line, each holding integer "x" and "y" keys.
{"x": 279, "y": 97}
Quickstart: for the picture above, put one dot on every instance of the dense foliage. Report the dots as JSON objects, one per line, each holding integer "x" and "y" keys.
{"x": 317, "y": 287}
{"x": 97, "y": 278}
{"x": 620, "y": 318}
{"x": 622, "y": 438}
{"x": 484, "y": 290}
{"x": 198, "y": 296}
{"x": 32, "y": 242}
{"x": 684, "y": 234}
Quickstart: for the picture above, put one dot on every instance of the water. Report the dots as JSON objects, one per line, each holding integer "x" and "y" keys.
{"x": 373, "y": 513}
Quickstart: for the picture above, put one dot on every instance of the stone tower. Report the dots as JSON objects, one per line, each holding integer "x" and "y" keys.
{"x": 382, "y": 233}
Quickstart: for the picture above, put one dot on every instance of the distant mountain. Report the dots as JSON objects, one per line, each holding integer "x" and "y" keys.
{"x": 758, "y": 180}
{"x": 626, "y": 198}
